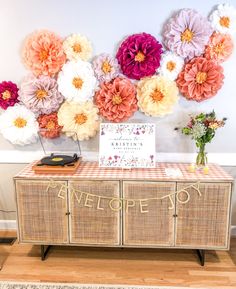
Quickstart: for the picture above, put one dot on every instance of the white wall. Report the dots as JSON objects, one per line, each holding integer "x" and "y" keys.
{"x": 106, "y": 23}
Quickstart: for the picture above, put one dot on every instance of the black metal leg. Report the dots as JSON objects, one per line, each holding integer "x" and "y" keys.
{"x": 201, "y": 256}
{"x": 44, "y": 251}
{"x": 7, "y": 241}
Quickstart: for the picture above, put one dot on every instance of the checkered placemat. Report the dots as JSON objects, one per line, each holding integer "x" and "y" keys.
{"x": 91, "y": 170}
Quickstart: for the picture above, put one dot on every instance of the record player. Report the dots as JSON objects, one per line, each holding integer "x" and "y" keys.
{"x": 61, "y": 155}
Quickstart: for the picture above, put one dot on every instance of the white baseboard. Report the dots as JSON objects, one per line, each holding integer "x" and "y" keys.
{"x": 233, "y": 231}
{"x": 11, "y": 225}
{"x": 17, "y": 156}
{"x": 7, "y": 224}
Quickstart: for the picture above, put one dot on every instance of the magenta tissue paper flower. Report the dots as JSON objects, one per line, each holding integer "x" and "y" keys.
{"x": 41, "y": 94}
{"x": 139, "y": 55}
{"x": 187, "y": 33}
{"x": 8, "y": 94}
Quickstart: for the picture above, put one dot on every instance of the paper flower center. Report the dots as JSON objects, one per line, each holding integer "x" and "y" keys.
{"x": 77, "y": 48}
{"x": 157, "y": 95}
{"x": 116, "y": 100}
{"x": 77, "y": 82}
{"x": 187, "y": 35}
{"x": 201, "y": 77}
{"x": 80, "y": 118}
{"x": 50, "y": 125}
{"x": 20, "y": 122}
{"x": 218, "y": 48}
{"x": 43, "y": 55}
{"x": 170, "y": 65}
{"x": 225, "y": 21}
{"x": 106, "y": 67}
{"x": 6, "y": 95}
{"x": 139, "y": 57}
{"x": 41, "y": 93}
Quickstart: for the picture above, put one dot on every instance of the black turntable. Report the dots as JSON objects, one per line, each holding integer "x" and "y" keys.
{"x": 58, "y": 160}
{"x": 61, "y": 155}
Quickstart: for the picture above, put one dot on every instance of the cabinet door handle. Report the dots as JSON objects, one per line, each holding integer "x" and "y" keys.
{"x": 67, "y": 213}
{"x": 175, "y": 215}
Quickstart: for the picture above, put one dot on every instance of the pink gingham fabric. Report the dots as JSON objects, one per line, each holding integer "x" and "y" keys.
{"x": 91, "y": 171}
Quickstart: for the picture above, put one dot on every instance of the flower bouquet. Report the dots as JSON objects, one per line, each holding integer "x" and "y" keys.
{"x": 202, "y": 128}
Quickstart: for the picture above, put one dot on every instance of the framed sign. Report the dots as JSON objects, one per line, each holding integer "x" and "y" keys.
{"x": 130, "y": 145}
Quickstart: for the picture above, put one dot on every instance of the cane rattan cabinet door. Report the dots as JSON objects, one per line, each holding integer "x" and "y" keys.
{"x": 155, "y": 227}
{"x": 92, "y": 222}
{"x": 41, "y": 213}
{"x": 203, "y": 222}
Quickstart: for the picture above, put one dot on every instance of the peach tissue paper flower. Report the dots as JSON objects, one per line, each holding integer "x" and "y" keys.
{"x": 43, "y": 53}
{"x": 157, "y": 95}
{"x": 76, "y": 47}
{"x": 220, "y": 47}
{"x": 48, "y": 125}
{"x": 116, "y": 100}
{"x": 79, "y": 120}
{"x": 200, "y": 79}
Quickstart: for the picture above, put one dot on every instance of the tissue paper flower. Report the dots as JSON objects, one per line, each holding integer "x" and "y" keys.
{"x": 18, "y": 125}
{"x": 220, "y": 47}
{"x": 8, "y": 94}
{"x": 139, "y": 55}
{"x": 77, "y": 47}
{"x": 76, "y": 81}
{"x": 200, "y": 79}
{"x": 48, "y": 125}
{"x": 40, "y": 95}
{"x": 157, "y": 95}
{"x": 105, "y": 67}
{"x": 187, "y": 33}
{"x": 223, "y": 19}
{"x": 43, "y": 53}
{"x": 116, "y": 99}
{"x": 171, "y": 65}
{"x": 79, "y": 120}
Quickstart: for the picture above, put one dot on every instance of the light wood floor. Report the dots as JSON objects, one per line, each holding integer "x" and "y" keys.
{"x": 115, "y": 266}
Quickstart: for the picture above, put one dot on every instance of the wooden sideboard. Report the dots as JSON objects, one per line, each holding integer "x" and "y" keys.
{"x": 141, "y": 208}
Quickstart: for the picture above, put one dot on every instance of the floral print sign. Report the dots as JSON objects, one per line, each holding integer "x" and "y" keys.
{"x": 130, "y": 145}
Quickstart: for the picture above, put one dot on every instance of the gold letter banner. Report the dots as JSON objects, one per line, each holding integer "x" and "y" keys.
{"x": 116, "y": 204}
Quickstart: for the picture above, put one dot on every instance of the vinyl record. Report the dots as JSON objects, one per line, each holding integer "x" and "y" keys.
{"x": 58, "y": 160}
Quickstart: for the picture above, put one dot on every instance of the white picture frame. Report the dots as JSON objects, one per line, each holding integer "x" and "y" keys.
{"x": 127, "y": 145}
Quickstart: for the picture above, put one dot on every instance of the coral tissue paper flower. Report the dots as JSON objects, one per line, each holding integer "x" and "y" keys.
{"x": 48, "y": 125}
{"x": 105, "y": 67}
{"x": 40, "y": 94}
{"x": 171, "y": 65}
{"x": 223, "y": 19}
{"x": 220, "y": 47}
{"x": 43, "y": 53}
{"x": 79, "y": 120}
{"x": 8, "y": 94}
{"x": 157, "y": 95}
{"x": 18, "y": 125}
{"x": 187, "y": 33}
{"x": 116, "y": 99}
{"x": 139, "y": 55}
{"x": 200, "y": 79}
{"x": 76, "y": 47}
{"x": 77, "y": 81}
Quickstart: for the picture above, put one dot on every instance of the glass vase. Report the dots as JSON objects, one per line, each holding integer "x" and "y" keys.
{"x": 201, "y": 159}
